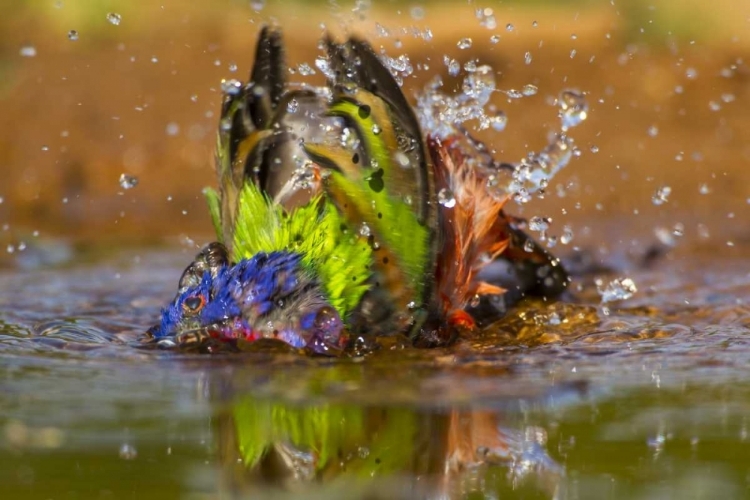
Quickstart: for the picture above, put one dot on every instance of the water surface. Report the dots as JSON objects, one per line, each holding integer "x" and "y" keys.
{"x": 556, "y": 399}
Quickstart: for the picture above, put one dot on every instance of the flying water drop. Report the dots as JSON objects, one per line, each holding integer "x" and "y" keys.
{"x": 661, "y": 196}
{"x": 114, "y": 18}
{"x": 128, "y": 181}
{"x": 617, "y": 289}
{"x": 573, "y": 108}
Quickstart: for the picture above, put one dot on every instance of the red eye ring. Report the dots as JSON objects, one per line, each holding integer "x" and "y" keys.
{"x": 193, "y": 304}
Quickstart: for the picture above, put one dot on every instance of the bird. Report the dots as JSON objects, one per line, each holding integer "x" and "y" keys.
{"x": 332, "y": 221}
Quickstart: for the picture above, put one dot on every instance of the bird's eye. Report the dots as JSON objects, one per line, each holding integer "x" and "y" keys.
{"x": 193, "y": 304}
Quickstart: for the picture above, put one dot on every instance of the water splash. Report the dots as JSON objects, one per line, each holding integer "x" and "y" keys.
{"x": 573, "y": 108}
{"x": 617, "y": 289}
{"x": 661, "y": 196}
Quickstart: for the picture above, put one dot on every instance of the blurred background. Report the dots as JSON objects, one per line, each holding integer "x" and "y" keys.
{"x": 94, "y": 89}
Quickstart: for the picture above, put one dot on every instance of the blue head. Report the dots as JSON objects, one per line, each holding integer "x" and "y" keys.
{"x": 267, "y": 296}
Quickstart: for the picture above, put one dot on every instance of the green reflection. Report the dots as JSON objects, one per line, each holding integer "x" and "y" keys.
{"x": 376, "y": 449}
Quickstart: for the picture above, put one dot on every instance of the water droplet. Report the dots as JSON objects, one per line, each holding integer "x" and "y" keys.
{"x": 454, "y": 68}
{"x": 514, "y": 94}
{"x": 529, "y": 90}
{"x": 653, "y": 131}
{"x": 528, "y": 246}
{"x": 231, "y": 87}
{"x": 324, "y": 66}
{"x": 232, "y": 67}
{"x": 573, "y": 108}
{"x": 509, "y": 27}
{"x": 537, "y": 223}
{"x": 617, "y": 289}
{"x": 527, "y": 57}
{"x": 28, "y": 51}
{"x": 479, "y": 84}
{"x": 534, "y": 24}
{"x": 714, "y": 106}
{"x": 172, "y": 129}
{"x": 364, "y": 230}
{"x": 727, "y": 97}
{"x": 292, "y": 106}
{"x": 114, "y": 18}
{"x": 128, "y": 181}
{"x": 194, "y": 97}
{"x": 656, "y": 442}
{"x": 257, "y": 5}
{"x": 446, "y": 198}
{"x": 494, "y": 39}
{"x": 464, "y": 43}
{"x": 704, "y": 189}
{"x": 594, "y": 149}
{"x": 72, "y": 35}
{"x": 661, "y": 195}
{"x": 45, "y": 147}
{"x": 128, "y": 452}
{"x": 305, "y": 69}
{"x": 475, "y": 301}
{"x": 573, "y": 53}
{"x": 567, "y": 235}
{"x": 691, "y": 73}
{"x": 417, "y": 12}
{"x": 499, "y": 121}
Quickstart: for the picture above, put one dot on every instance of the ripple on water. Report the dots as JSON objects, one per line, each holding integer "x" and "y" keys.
{"x": 540, "y": 390}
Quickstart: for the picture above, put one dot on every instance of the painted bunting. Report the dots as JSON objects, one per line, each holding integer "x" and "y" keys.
{"x": 336, "y": 214}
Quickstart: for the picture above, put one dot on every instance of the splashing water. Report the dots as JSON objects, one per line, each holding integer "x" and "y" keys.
{"x": 440, "y": 114}
{"x": 573, "y": 108}
{"x": 617, "y": 289}
{"x": 443, "y": 115}
{"x": 661, "y": 196}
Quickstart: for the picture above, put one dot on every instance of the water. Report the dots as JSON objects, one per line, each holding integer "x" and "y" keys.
{"x": 636, "y": 388}
{"x": 556, "y": 399}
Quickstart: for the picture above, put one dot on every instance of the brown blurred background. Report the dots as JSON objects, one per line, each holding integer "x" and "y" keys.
{"x": 667, "y": 83}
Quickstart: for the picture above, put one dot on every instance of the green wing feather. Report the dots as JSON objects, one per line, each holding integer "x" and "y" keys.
{"x": 366, "y": 190}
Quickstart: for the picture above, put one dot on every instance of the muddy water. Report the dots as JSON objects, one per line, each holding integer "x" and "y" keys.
{"x": 555, "y": 399}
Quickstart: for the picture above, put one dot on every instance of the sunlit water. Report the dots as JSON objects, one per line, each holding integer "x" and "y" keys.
{"x": 556, "y": 399}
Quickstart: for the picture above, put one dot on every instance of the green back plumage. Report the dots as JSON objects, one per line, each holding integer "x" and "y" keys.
{"x": 370, "y": 225}
{"x": 339, "y": 259}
